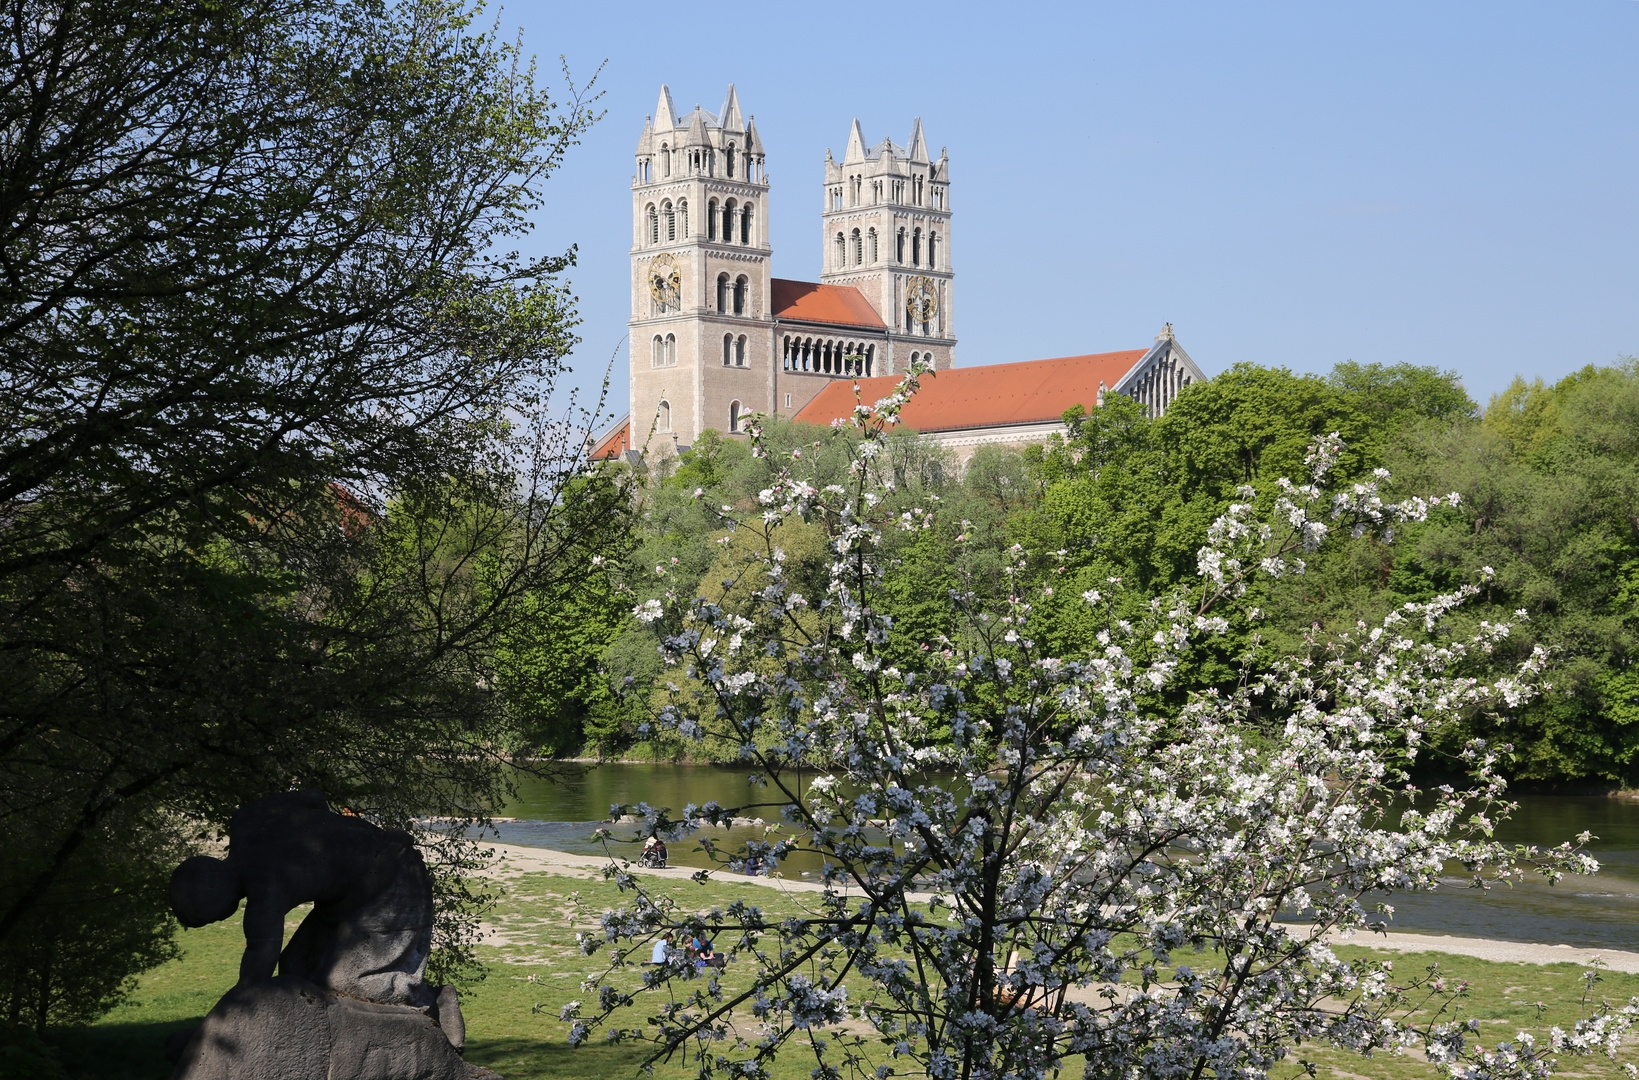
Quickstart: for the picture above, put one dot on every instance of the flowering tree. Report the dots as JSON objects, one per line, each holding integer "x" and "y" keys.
{"x": 1027, "y": 861}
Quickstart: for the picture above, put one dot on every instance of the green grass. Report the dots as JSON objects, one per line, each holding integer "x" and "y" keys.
{"x": 535, "y": 969}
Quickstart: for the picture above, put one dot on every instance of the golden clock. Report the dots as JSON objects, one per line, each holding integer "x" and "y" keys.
{"x": 921, "y": 299}
{"x": 665, "y": 281}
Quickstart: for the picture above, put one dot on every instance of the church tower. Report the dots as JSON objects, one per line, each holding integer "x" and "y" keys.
{"x": 886, "y": 230}
{"x": 700, "y": 331}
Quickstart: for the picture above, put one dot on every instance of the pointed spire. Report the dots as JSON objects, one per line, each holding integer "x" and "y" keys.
{"x": 697, "y": 128}
{"x": 856, "y": 145}
{"x": 665, "y": 113}
{"x": 644, "y": 141}
{"x": 728, "y": 117}
{"x": 919, "y": 145}
{"x": 754, "y": 145}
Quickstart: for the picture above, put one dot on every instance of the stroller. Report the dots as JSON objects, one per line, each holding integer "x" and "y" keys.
{"x": 653, "y": 857}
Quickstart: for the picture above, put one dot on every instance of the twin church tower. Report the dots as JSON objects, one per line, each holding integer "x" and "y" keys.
{"x": 714, "y": 335}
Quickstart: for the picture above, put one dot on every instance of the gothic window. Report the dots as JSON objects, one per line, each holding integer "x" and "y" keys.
{"x": 916, "y": 248}
{"x": 740, "y": 295}
{"x": 871, "y": 236}
{"x": 654, "y": 226}
{"x": 859, "y": 250}
{"x": 657, "y": 352}
{"x": 711, "y": 220}
{"x": 745, "y": 224}
{"x": 933, "y": 249}
{"x": 899, "y": 247}
{"x": 663, "y": 417}
{"x": 671, "y": 350}
{"x": 842, "y": 254}
{"x": 683, "y": 218}
{"x": 730, "y": 163}
{"x": 734, "y": 416}
{"x": 728, "y": 349}
{"x": 870, "y": 357}
{"x": 740, "y": 351}
{"x": 917, "y": 189}
{"x": 665, "y": 160}
{"x": 722, "y": 293}
{"x": 671, "y": 222}
{"x": 728, "y": 220}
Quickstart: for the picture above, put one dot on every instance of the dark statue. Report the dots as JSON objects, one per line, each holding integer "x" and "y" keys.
{"x": 350, "y": 996}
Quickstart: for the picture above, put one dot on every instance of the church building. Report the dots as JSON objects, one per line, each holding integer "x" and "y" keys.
{"x": 714, "y": 336}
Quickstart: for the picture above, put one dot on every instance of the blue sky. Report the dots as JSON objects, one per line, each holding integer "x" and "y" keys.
{"x": 1454, "y": 184}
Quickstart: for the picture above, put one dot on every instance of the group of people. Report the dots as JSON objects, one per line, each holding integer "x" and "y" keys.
{"x": 696, "y": 950}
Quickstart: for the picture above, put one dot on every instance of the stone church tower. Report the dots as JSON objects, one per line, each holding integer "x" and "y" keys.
{"x": 886, "y": 231}
{"x": 714, "y": 336}
{"x": 699, "y": 341}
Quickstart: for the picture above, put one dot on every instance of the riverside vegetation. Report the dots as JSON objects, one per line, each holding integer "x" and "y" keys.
{"x": 1548, "y": 479}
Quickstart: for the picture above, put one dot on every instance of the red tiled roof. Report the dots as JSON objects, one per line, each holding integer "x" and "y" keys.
{"x": 808, "y": 301}
{"x": 614, "y": 443}
{"x": 1032, "y": 391}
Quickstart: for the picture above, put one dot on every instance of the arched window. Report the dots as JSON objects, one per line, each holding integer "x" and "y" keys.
{"x": 711, "y": 220}
{"x": 740, "y": 284}
{"x": 731, "y": 159}
{"x": 722, "y": 293}
{"x": 871, "y": 236}
{"x": 933, "y": 250}
{"x": 728, "y": 220}
{"x": 916, "y": 248}
{"x": 657, "y": 352}
{"x": 671, "y": 222}
{"x": 870, "y": 358}
{"x": 728, "y": 349}
{"x": 859, "y": 247}
{"x": 683, "y": 218}
{"x": 740, "y": 351}
{"x": 665, "y": 160}
{"x": 734, "y": 416}
{"x": 663, "y": 417}
{"x": 899, "y": 247}
{"x": 654, "y": 225}
{"x": 842, "y": 252}
{"x": 745, "y": 224}
{"x": 671, "y": 350}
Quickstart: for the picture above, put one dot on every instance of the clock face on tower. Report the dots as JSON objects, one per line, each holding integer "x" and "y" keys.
{"x": 921, "y": 300}
{"x": 665, "y": 281}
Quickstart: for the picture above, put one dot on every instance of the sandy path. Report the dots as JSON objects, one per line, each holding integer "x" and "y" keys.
{"x": 517, "y": 859}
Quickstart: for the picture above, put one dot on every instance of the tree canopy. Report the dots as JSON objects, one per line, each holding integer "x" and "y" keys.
{"x": 275, "y": 476}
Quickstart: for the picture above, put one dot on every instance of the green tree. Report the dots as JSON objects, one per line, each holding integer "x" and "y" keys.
{"x": 269, "y": 506}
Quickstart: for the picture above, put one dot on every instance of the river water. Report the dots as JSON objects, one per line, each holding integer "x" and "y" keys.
{"x": 1591, "y": 912}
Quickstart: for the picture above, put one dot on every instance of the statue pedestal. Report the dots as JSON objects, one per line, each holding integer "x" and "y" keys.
{"x": 286, "y": 1028}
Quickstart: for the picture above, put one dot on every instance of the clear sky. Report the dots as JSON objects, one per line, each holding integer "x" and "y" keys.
{"x": 1295, "y": 184}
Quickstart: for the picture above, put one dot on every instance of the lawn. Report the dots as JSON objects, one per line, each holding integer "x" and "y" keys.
{"x": 535, "y": 969}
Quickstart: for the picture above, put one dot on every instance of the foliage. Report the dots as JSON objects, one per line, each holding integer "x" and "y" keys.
{"x": 269, "y": 509}
{"x": 106, "y": 919}
{"x": 1070, "y": 846}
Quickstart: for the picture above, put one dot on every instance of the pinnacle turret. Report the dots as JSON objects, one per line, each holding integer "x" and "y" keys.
{"x": 728, "y": 118}
{"x": 665, "y": 113}
{"x": 856, "y": 145}
{"x": 919, "y": 145}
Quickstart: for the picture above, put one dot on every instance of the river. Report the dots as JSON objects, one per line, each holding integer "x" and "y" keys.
{"x": 1589, "y": 912}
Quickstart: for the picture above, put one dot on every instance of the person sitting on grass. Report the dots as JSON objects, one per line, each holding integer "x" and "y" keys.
{"x": 705, "y": 955}
{"x": 662, "y": 950}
